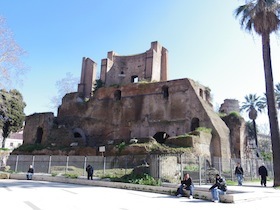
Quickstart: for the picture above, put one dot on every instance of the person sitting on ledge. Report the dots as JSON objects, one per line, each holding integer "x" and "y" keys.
{"x": 186, "y": 184}
{"x": 30, "y": 172}
{"x": 219, "y": 188}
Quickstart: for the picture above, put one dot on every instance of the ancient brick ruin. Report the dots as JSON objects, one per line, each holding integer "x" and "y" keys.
{"x": 137, "y": 101}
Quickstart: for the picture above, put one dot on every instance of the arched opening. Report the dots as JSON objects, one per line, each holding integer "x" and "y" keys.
{"x": 134, "y": 79}
{"x": 201, "y": 93}
{"x": 39, "y": 135}
{"x": 79, "y": 134}
{"x": 165, "y": 91}
{"x": 194, "y": 124}
{"x": 118, "y": 95}
{"x": 161, "y": 137}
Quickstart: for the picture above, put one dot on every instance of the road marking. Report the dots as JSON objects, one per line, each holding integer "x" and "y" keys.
{"x": 7, "y": 188}
{"x": 34, "y": 207}
{"x": 69, "y": 191}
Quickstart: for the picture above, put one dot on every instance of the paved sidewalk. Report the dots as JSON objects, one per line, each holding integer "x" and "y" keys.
{"x": 249, "y": 191}
{"x": 43, "y": 195}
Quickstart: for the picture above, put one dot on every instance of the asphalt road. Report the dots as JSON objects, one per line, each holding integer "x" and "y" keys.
{"x": 40, "y": 195}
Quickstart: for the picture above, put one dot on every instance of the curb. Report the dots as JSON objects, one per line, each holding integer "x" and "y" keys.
{"x": 200, "y": 192}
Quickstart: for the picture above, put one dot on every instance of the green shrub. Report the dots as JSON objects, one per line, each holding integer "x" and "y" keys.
{"x": 121, "y": 147}
{"x": 191, "y": 167}
{"x": 30, "y": 147}
{"x": 234, "y": 114}
{"x": 144, "y": 179}
{"x": 4, "y": 149}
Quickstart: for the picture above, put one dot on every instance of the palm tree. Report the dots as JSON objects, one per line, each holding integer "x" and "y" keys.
{"x": 277, "y": 95}
{"x": 263, "y": 17}
{"x": 253, "y": 104}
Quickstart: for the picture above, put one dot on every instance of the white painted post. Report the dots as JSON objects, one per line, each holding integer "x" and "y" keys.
{"x": 67, "y": 164}
{"x": 85, "y": 165}
{"x": 199, "y": 162}
{"x": 33, "y": 160}
{"x": 16, "y": 164}
{"x": 50, "y": 164}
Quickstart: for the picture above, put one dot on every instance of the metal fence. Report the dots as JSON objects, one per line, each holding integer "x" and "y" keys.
{"x": 168, "y": 168}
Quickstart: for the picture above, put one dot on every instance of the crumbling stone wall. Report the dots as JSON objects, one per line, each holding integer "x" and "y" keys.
{"x": 37, "y": 128}
{"x": 129, "y": 109}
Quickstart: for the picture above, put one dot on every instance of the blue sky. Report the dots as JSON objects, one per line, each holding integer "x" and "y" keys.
{"x": 204, "y": 40}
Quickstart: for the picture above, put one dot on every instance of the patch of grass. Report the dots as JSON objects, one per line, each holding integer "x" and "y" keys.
{"x": 144, "y": 179}
{"x": 127, "y": 176}
{"x": 191, "y": 167}
{"x": 62, "y": 169}
{"x": 157, "y": 148}
{"x": 204, "y": 129}
{"x": 112, "y": 173}
{"x": 71, "y": 176}
{"x": 4, "y": 149}
{"x": 231, "y": 183}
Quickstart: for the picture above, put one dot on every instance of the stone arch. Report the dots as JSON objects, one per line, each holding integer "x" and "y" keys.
{"x": 194, "y": 123}
{"x": 39, "y": 135}
{"x": 79, "y": 133}
{"x": 161, "y": 137}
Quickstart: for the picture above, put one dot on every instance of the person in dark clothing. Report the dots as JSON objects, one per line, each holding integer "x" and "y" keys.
{"x": 186, "y": 184}
{"x": 89, "y": 170}
{"x": 263, "y": 173}
{"x": 30, "y": 172}
{"x": 239, "y": 174}
{"x": 219, "y": 188}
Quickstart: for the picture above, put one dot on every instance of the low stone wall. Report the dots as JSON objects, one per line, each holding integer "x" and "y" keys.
{"x": 4, "y": 175}
{"x": 169, "y": 189}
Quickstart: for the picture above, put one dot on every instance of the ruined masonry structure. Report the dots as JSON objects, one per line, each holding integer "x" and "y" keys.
{"x": 136, "y": 101}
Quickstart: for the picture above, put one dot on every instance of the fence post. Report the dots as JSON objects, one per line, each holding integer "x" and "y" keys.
{"x": 33, "y": 160}
{"x": 85, "y": 165}
{"x": 199, "y": 162}
{"x": 251, "y": 171}
{"x": 272, "y": 169}
{"x": 16, "y": 164}
{"x": 67, "y": 162}
{"x": 50, "y": 164}
{"x": 125, "y": 165}
{"x": 181, "y": 168}
{"x": 104, "y": 164}
{"x": 231, "y": 169}
{"x": 205, "y": 173}
{"x": 220, "y": 168}
{"x": 159, "y": 166}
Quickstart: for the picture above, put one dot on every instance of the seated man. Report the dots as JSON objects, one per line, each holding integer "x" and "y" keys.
{"x": 30, "y": 172}
{"x": 186, "y": 184}
{"x": 219, "y": 188}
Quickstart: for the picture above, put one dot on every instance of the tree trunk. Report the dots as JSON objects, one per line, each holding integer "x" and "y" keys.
{"x": 3, "y": 142}
{"x": 271, "y": 107}
{"x": 256, "y": 138}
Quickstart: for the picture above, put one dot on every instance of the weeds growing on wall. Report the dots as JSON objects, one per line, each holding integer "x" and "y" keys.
{"x": 144, "y": 179}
